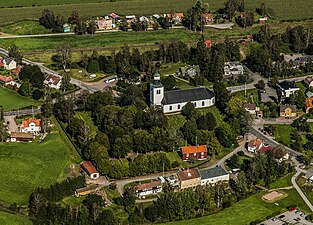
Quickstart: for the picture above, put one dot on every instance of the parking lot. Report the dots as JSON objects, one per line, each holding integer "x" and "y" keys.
{"x": 294, "y": 217}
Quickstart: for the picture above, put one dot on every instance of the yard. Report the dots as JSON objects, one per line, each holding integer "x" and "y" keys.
{"x": 282, "y": 134}
{"x": 282, "y": 182}
{"x": 11, "y": 219}
{"x": 35, "y": 165}
{"x": 238, "y": 214}
{"x": 11, "y": 100}
{"x": 251, "y": 96}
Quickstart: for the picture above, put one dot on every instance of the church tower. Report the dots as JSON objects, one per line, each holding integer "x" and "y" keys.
{"x": 156, "y": 90}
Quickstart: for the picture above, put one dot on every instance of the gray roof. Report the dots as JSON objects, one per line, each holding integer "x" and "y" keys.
{"x": 286, "y": 85}
{"x": 212, "y": 172}
{"x": 187, "y": 95}
{"x": 8, "y": 60}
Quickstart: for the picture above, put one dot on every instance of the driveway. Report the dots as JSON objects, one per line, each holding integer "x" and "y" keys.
{"x": 10, "y": 122}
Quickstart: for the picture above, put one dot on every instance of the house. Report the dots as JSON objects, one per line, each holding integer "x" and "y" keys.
{"x": 232, "y": 69}
{"x": 287, "y": 88}
{"x": 174, "y": 101}
{"x": 90, "y": 170}
{"x": 251, "y": 108}
{"x": 130, "y": 19}
{"x": 172, "y": 180}
{"x": 16, "y": 72}
{"x": 175, "y": 18}
{"x": 308, "y": 104}
{"x": 189, "y": 178}
{"x": 9, "y": 63}
{"x": 53, "y": 81}
{"x": 150, "y": 188}
{"x": 255, "y": 145}
{"x": 189, "y": 71}
{"x": 84, "y": 191}
{"x": 282, "y": 157}
{"x": 66, "y": 28}
{"x": 194, "y": 152}
{"x": 259, "y": 114}
{"x": 31, "y": 126}
{"x": 309, "y": 94}
{"x": 308, "y": 81}
{"x": 288, "y": 111}
{"x": 5, "y": 79}
{"x": 207, "y": 18}
{"x": 208, "y": 43}
{"x": 213, "y": 175}
{"x": 105, "y": 24}
{"x": 263, "y": 20}
{"x": 21, "y": 137}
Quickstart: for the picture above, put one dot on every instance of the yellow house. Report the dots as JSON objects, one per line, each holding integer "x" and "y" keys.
{"x": 288, "y": 111}
{"x": 189, "y": 178}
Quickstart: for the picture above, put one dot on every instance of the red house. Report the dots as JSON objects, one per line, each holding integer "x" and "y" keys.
{"x": 194, "y": 152}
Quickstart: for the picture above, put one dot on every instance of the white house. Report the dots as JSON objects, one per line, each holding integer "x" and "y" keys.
{"x": 53, "y": 81}
{"x": 308, "y": 81}
{"x": 30, "y": 126}
{"x": 255, "y": 145}
{"x": 9, "y": 64}
{"x": 213, "y": 175}
{"x": 251, "y": 108}
{"x": 233, "y": 69}
{"x": 287, "y": 88}
{"x": 90, "y": 170}
{"x": 153, "y": 187}
{"x": 174, "y": 101}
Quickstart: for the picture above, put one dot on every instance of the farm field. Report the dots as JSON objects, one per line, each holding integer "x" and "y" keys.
{"x": 10, "y": 219}
{"x": 281, "y": 10}
{"x": 11, "y": 100}
{"x": 35, "y": 165}
{"x": 238, "y": 214}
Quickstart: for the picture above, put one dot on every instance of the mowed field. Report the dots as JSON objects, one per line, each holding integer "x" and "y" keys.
{"x": 247, "y": 210}
{"x": 26, "y": 166}
{"x": 20, "y": 3}
{"x": 10, "y": 219}
{"x": 11, "y": 100}
{"x": 282, "y": 10}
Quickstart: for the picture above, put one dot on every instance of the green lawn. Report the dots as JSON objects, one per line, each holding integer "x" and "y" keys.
{"x": 247, "y": 210}
{"x": 252, "y": 95}
{"x": 24, "y": 27}
{"x": 35, "y": 165}
{"x": 73, "y": 201}
{"x": 111, "y": 193}
{"x": 283, "y": 182}
{"x": 282, "y": 134}
{"x": 11, "y": 219}
{"x": 11, "y": 100}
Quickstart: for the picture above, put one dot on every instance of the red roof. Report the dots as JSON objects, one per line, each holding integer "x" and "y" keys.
{"x": 87, "y": 165}
{"x": 149, "y": 185}
{"x": 25, "y": 123}
{"x": 1, "y": 64}
{"x": 6, "y": 79}
{"x": 208, "y": 43}
{"x": 267, "y": 148}
{"x": 193, "y": 149}
{"x": 188, "y": 174}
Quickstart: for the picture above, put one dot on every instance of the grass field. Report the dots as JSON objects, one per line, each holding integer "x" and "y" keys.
{"x": 283, "y": 182}
{"x": 35, "y": 165}
{"x": 238, "y": 214}
{"x": 5, "y": 3}
{"x": 282, "y": 134}
{"x": 11, "y": 100}
{"x": 10, "y": 219}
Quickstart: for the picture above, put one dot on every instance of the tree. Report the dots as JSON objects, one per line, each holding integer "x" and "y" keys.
{"x": 143, "y": 141}
{"x": 131, "y": 95}
{"x": 233, "y": 106}
{"x": 25, "y": 88}
{"x": 169, "y": 82}
{"x": 74, "y": 18}
{"x": 93, "y": 66}
{"x": 206, "y": 122}
{"x": 92, "y": 28}
{"x": 261, "y": 84}
{"x": 190, "y": 131}
{"x": 189, "y": 111}
{"x": 122, "y": 146}
{"x": 81, "y": 27}
{"x": 16, "y": 54}
{"x": 225, "y": 135}
{"x": 222, "y": 96}
{"x": 37, "y": 94}
{"x": 66, "y": 82}
{"x": 64, "y": 109}
{"x": 33, "y": 74}
{"x": 63, "y": 58}
{"x": 47, "y": 108}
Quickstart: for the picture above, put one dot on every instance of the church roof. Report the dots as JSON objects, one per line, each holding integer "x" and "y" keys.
{"x": 187, "y": 95}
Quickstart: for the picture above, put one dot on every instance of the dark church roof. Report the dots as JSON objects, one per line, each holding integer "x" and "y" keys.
{"x": 187, "y": 95}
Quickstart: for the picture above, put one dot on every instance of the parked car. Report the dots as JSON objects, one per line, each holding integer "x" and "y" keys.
{"x": 274, "y": 219}
{"x": 281, "y": 216}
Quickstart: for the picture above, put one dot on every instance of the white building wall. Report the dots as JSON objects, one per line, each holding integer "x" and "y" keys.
{"x": 171, "y": 108}
{"x": 215, "y": 180}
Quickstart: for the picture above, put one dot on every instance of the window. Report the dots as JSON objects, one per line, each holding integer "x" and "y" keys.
{"x": 187, "y": 155}
{"x": 213, "y": 100}
{"x": 203, "y": 103}
{"x": 178, "y": 107}
{"x": 202, "y": 153}
{"x": 158, "y": 92}
{"x": 171, "y": 108}
{"x": 195, "y": 104}
{"x": 195, "y": 154}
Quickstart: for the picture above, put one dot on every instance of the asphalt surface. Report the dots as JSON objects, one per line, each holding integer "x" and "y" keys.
{"x": 288, "y": 218}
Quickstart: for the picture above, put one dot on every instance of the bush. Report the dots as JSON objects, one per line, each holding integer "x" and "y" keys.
{"x": 175, "y": 164}
{"x": 241, "y": 153}
{"x": 93, "y": 66}
{"x": 37, "y": 94}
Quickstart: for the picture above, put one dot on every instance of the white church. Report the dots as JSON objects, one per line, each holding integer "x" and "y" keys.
{"x": 174, "y": 101}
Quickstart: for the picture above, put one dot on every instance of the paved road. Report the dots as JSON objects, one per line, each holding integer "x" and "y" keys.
{"x": 303, "y": 196}
{"x": 22, "y": 112}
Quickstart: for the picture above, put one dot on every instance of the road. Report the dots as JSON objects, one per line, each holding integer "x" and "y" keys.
{"x": 80, "y": 84}
{"x": 22, "y": 112}
{"x": 295, "y": 185}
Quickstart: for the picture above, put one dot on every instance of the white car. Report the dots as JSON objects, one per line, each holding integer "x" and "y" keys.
{"x": 92, "y": 76}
